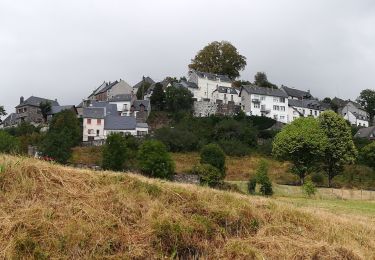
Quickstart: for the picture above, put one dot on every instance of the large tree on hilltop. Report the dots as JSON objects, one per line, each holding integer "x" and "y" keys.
{"x": 367, "y": 100}
{"x": 2, "y": 112}
{"x": 220, "y": 58}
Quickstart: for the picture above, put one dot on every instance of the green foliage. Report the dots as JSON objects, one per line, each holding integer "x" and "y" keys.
{"x": 260, "y": 79}
{"x": 231, "y": 129}
{"x": 157, "y": 98}
{"x": 177, "y": 140}
{"x": 178, "y": 99}
{"x": 309, "y": 188}
{"x": 45, "y": 108}
{"x": 220, "y": 58}
{"x": 340, "y": 149}
{"x": 8, "y": 143}
{"x": 261, "y": 122}
{"x": 142, "y": 90}
{"x": 63, "y": 134}
{"x": 22, "y": 129}
{"x": 154, "y": 160}
{"x": 303, "y": 143}
{"x": 212, "y": 154}
{"x": 367, "y": 155}
{"x": 208, "y": 174}
{"x": 251, "y": 185}
{"x": 234, "y": 147}
{"x": 317, "y": 178}
{"x": 2, "y": 112}
{"x": 367, "y": 100}
{"x": 114, "y": 153}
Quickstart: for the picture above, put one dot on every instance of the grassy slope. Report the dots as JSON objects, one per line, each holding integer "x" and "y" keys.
{"x": 60, "y": 212}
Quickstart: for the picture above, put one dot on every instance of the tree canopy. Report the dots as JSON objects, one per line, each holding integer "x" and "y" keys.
{"x": 340, "y": 149}
{"x": 157, "y": 98}
{"x": 2, "y": 112}
{"x": 261, "y": 80}
{"x": 303, "y": 143}
{"x": 220, "y": 58}
{"x": 45, "y": 108}
{"x": 367, "y": 100}
{"x": 114, "y": 152}
{"x": 178, "y": 99}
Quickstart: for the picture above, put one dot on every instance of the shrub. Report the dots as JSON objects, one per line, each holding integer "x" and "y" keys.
{"x": 212, "y": 154}
{"x": 317, "y": 178}
{"x": 114, "y": 153}
{"x": 367, "y": 155}
{"x": 154, "y": 160}
{"x": 8, "y": 143}
{"x": 177, "y": 140}
{"x": 251, "y": 185}
{"x": 234, "y": 148}
{"x": 309, "y": 188}
{"x": 266, "y": 187}
{"x": 208, "y": 174}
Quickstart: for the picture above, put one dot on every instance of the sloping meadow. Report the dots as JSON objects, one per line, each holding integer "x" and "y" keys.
{"x": 50, "y": 211}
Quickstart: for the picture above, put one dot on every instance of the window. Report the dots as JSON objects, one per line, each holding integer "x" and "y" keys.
{"x": 89, "y": 121}
{"x": 97, "y": 132}
{"x": 311, "y": 112}
{"x": 282, "y": 117}
{"x": 125, "y": 107}
{"x": 231, "y": 97}
{"x": 316, "y": 112}
{"x": 303, "y": 111}
{"x": 98, "y": 121}
{"x": 256, "y": 105}
{"x": 277, "y": 108}
{"x": 282, "y": 108}
{"x": 262, "y": 98}
{"x": 282, "y": 100}
{"x": 275, "y": 99}
{"x": 90, "y": 131}
{"x": 225, "y": 96}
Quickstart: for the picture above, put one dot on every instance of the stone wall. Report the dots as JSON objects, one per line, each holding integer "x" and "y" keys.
{"x": 204, "y": 108}
{"x": 186, "y": 178}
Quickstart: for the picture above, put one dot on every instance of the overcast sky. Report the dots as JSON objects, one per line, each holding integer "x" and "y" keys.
{"x": 64, "y": 49}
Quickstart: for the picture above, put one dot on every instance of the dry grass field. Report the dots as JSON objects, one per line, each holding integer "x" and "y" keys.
{"x": 50, "y": 211}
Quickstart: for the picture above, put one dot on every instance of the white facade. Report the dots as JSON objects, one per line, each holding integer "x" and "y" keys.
{"x": 226, "y": 95}
{"x": 356, "y": 120}
{"x": 206, "y": 83}
{"x": 271, "y": 103}
{"x": 123, "y": 107}
{"x": 138, "y": 131}
{"x": 93, "y": 129}
{"x": 304, "y": 108}
{"x": 354, "y": 114}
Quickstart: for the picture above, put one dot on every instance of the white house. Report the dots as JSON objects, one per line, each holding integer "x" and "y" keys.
{"x": 304, "y": 108}
{"x": 224, "y": 95}
{"x": 125, "y": 125}
{"x": 352, "y": 111}
{"x": 206, "y": 84}
{"x": 123, "y": 103}
{"x": 260, "y": 101}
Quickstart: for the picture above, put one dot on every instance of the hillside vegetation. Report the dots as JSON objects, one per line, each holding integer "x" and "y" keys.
{"x": 50, "y": 211}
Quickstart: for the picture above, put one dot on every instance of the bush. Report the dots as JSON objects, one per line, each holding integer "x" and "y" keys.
{"x": 8, "y": 143}
{"x": 309, "y": 188}
{"x": 251, "y": 185}
{"x": 177, "y": 140}
{"x": 266, "y": 187}
{"x": 367, "y": 155}
{"x": 114, "y": 153}
{"x": 317, "y": 178}
{"x": 208, "y": 174}
{"x": 154, "y": 160}
{"x": 234, "y": 148}
{"x": 212, "y": 154}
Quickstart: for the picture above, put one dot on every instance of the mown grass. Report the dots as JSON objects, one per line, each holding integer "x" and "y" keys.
{"x": 50, "y": 211}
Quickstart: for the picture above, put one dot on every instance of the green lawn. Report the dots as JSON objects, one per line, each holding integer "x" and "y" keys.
{"x": 333, "y": 200}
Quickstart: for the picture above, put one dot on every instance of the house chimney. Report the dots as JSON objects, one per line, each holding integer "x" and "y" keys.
{"x": 21, "y": 99}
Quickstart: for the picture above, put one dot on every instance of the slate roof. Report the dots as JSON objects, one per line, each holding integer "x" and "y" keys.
{"x": 99, "y": 110}
{"x": 227, "y": 90}
{"x": 10, "y": 118}
{"x": 142, "y": 125}
{"x": 307, "y": 103}
{"x": 360, "y": 117}
{"x": 107, "y": 87}
{"x": 35, "y": 101}
{"x": 251, "y": 89}
{"x": 185, "y": 84}
{"x": 120, "y": 123}
{"x": 145, "y": 79}
{"x": 292, "y": 92}
{"x": 121, "y": 97}
{"x": 368, "y": 132}
{"x": 212, "y": 76}
{"x": 103, "y": 85}
{"x": 58, "y": 109}
{"x": 137, "y": 104}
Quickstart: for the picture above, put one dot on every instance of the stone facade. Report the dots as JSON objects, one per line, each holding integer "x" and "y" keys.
{"x": 204, "y": 108}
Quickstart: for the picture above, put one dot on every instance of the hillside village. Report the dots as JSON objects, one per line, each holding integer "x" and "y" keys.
{"x": 114, "y": 107}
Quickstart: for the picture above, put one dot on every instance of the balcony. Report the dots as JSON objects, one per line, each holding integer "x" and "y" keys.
{"x": 265, "y": 110}
{"x": 255, "y": 100}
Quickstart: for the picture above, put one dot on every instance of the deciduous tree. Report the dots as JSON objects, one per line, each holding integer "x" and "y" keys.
{"x": 158, "y": 97}
{"x": 45, "y": 108}
{"x": 178, "y": 99}
{"x": 367, "y": 100}
{"x": 303, "y": 143}
{"x": 220, "y": 58}
{"x": 340, "y": 149}
{"x": 114, "y": 153}
{"x": 260, "y": 79}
